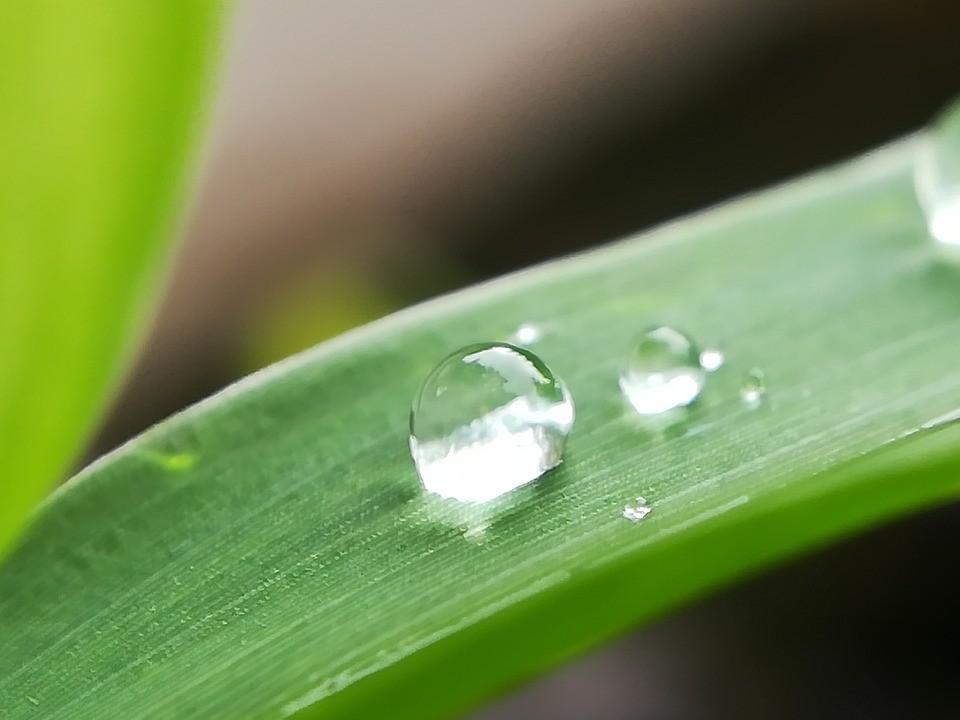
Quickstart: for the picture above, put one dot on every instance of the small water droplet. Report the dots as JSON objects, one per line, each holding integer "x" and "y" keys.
{"x": 753, "y": 387}
{"x": 526, "y": 335}
{"x": 32, "y": 700}
{"x": 711, "y": 359}
{"x": 937, "y": 177}
{"x": 663, "y": 372}
{"x": 488, "y": 419}
{"x": 637, "y": 512}
{"x": 476, "y": 534}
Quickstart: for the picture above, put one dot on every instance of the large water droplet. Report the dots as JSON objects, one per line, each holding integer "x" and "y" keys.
{"x": 663, "y": 372}
{"x": 938, "y": 177}
{"x": 753, "y": 387}
{"x": 489, "y": 418}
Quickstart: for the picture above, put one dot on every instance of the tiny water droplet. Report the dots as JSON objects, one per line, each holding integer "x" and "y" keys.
{"x": 526, "y": 335}
{"x": 637, "y": 512}
{"x": 663, "y": 372}
{"x": 753, "y": 387}
{"x": 32, "y": 700}
{"x": 711, "y": 359}
{"x": 937, "y": 178}
{"x": 476, "y": 534}
{"x": 488, "y": 419}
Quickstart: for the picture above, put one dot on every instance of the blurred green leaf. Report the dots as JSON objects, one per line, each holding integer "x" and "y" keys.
{"x": 269, "y": 552}
{"x": 99, "y": 110}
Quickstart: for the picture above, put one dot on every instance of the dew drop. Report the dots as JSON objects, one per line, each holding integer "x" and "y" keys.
{"x": 637, "y": 512}
{"x": 489, "y": 418}
{"x": 937, "y": 178}
{"x": 476, "y": 534}
{"x": 525, "y": 335}
{"x": 663, "y": 372}
{"x": 712, "y": 359}
{"x": 753, "y": 387}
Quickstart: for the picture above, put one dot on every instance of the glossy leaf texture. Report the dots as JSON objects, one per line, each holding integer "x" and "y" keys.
{"x": 270, "y": 552}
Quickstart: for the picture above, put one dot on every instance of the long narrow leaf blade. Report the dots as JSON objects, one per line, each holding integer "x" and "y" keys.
{"x": 269, "y": 553}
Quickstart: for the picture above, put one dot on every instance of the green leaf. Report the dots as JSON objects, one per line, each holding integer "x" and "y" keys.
{"x": 269, "y": 552}
{"x": 99, "y": 112}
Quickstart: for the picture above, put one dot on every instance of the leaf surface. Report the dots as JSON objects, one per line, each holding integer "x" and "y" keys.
{"x": 269, "y": 552}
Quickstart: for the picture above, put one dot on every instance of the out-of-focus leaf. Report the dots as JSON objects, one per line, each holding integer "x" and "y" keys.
{"x": 99, "y": 110}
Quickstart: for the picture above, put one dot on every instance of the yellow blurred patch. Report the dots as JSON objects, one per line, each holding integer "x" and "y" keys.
{"x": 317, "y": 306}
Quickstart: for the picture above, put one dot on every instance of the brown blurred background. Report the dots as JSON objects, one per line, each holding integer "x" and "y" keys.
{"x": 367, "y": 155}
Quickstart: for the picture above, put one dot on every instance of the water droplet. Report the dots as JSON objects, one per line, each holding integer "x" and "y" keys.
{"x": 32, "y": 700}
{"x": 753, "y": 387}
{"x": 526, "y": 335}
{"x": 711, "y": 359}
{"x": 663, "y": 372}
{"x": 475, "y": 533}
{"x": 937, "y": 178}
{"x": 489, "y": 418}
{"x": 637, "y": 512}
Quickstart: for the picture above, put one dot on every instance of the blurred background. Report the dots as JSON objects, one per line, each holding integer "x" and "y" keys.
{"x": 368, "y": 155}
